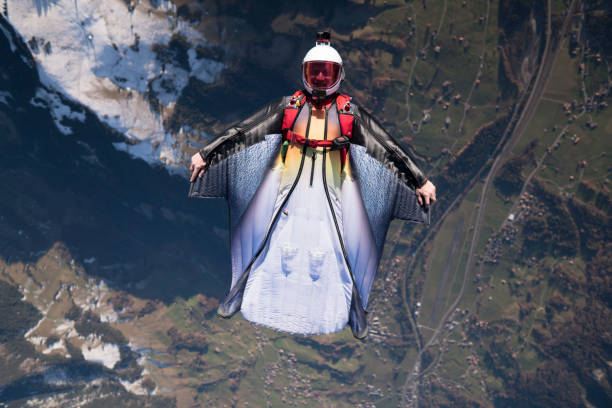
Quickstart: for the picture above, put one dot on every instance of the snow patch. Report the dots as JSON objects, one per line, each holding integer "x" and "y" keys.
{"x": 106, "y": 353}
{"x": 59, "y": 111}
{"x": 90, "y": 296}
{"x": 66, "y": 329}
{"x": 110, "y": 57}
{"x": 136, "y": 387}
{"x": 33, "y": 329}
{"x": 108, "y": 316}
{"x": 58, "y": 345}
{"x": 36, "y": 340}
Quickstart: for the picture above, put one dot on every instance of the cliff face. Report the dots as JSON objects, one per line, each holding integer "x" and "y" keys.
{"x": 71, "y": 205}
{"x": 75, "y": 187}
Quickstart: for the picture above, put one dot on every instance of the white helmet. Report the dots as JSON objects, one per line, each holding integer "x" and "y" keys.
{"x": 322, "y": 69}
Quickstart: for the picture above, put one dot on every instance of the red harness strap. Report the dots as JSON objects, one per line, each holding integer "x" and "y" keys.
{"x": 292, "y": 109}
{"x": 299, "y": 139}
{"x": 345, "y": 116}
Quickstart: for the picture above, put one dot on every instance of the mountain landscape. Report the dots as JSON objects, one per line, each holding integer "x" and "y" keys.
{"x": 110, "y": 276}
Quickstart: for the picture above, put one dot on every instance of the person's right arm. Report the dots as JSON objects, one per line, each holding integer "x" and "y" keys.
{"x": 253, "y": 129}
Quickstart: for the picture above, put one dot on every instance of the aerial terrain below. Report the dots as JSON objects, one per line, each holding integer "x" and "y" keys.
{"x": 110, "y": 276}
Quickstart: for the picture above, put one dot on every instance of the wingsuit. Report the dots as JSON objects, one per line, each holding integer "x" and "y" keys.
{"x": 312, "y": 183}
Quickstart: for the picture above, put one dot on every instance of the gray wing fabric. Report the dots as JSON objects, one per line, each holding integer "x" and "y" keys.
{"x": 407, "y": 206}
{"x": 239, "y": 158}
{"x": 213, "y": 183}
{"x": 384, "y": 195}
{"x": 237, "y": 176}
{"x": 246, "y": 171}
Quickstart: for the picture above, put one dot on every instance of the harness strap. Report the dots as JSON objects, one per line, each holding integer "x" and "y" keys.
{"x": 299, "y": 139}
{"x": 292, "y": 109}
{"x": 345, "y": 116}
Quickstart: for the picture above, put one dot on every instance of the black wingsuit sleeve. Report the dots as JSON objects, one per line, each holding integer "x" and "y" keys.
{"x": 266, "y": 121}
{"x": 380, "y": 145}
{"x": 214, "y": 181}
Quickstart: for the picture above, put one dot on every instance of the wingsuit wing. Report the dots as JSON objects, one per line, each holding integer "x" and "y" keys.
{"x": 386, "y": 174}
{"x": 238, "y": 159}
{"x": 381, "y": 146}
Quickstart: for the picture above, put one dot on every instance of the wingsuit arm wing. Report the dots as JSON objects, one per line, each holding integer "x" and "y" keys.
{"x": 214, "y": 183}
{"x": 267, "y": 120}
{"x": 380, "y": 145}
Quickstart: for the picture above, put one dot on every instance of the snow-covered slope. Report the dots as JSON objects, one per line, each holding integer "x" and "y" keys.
{"x": 120, "y": 58}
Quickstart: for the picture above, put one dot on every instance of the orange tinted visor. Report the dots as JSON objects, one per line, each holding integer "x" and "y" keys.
{"x": 321, "y": 74}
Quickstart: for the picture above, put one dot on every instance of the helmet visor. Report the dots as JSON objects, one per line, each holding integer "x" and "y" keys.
{"x": 321, "y": 74}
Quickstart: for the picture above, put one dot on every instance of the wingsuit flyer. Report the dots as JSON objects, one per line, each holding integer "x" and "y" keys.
{"x": 312, "y": 182}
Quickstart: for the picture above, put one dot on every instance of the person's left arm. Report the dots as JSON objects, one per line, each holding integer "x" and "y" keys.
{"x": 379, "y": 144}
